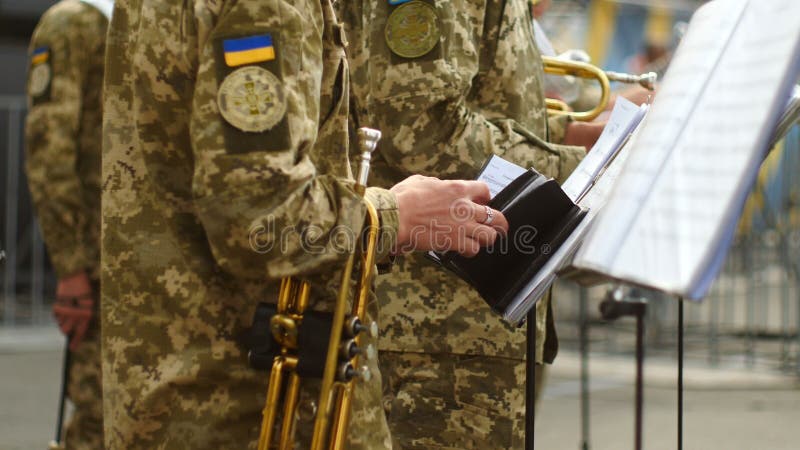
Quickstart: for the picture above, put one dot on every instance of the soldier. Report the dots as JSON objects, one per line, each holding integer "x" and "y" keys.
{"x": 225, "y": 168}
{"x": 63, "y": 136}
{"x": 451, "y": 83}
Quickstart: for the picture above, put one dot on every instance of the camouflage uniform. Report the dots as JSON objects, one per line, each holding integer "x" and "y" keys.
{"x": 63, "y": 136}
{"x": 208, "y": 199}
{"x": 453, "y": 371}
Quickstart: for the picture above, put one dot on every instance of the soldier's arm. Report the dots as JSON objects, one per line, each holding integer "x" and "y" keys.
{"x": 266, "y": 207}
{"x": 55, "y": 88}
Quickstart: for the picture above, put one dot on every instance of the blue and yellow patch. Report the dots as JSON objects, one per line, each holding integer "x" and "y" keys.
{"x": 248, "y": 50}
{"x": 40, "y": 55}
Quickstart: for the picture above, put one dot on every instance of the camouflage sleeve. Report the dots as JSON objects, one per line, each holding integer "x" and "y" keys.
{"x": 272, "y": 182}
{"x": 59, "y": 51}
{"x": 557, "y": 126}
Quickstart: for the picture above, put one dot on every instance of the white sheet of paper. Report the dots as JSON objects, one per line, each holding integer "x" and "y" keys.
{"x": 624, "y": 118}
{"x": 498, "y": 173}
{"x": 593, "y": 201}
{"x": 676, "y": 204}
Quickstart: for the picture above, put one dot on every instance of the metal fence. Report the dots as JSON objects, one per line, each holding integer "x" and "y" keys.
{"x": 27, "y": 278}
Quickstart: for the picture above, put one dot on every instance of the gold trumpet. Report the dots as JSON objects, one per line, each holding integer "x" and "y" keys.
{"x": 563, "y": 67}
{"x": 340, "y": 368}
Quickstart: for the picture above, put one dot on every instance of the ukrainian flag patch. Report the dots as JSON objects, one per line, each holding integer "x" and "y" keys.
{"x": 40, "y": 55}
{"x": 248, "y": 50}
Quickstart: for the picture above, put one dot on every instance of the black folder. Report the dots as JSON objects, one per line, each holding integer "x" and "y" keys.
{"x": 540, "y": 217}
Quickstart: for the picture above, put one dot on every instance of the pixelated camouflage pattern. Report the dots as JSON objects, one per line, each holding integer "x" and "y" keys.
{"x": 480, "y": 92}
{"x": 453, "y": 401}
{"x": 62, "y": 136}
{"x": 456, "y": 401}
{"x": 62, "y": 142}
{"x": 183, "y": 194}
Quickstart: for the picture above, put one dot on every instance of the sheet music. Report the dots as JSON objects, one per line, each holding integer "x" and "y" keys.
{"x": 498, "y": 173}
{"x": 675, "y": 207}
{"x": 624, "y": 118}
{"x": 593, "y": 201}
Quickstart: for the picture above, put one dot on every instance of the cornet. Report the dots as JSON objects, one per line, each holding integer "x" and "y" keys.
{"x": 564, "y": 67}
{"x": 338, "y": 367}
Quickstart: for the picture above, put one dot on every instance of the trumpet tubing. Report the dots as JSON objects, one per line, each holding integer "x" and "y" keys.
{"x": 563, "y": 67}
{"x": 345, "y": 347}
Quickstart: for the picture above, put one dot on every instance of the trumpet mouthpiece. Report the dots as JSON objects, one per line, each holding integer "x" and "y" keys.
{"x": 367, "y": 142}
{"x": 648, "y": 80}
{"x": 368, "y": 139}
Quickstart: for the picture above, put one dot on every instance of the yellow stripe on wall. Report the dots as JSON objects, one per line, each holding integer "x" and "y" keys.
{"x": 757, "y": 200}
{"x": 658, "y": 29}
{"x": 602, "y": 22}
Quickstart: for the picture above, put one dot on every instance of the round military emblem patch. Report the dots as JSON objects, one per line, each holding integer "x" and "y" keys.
{"x": 412, "y": 29}
{"x": 252, "y": 99}
{"x": 39, "y": 79}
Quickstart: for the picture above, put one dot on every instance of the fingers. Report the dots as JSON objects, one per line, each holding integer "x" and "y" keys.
{"x": 74, "y": 316}
{"x": 497, "y": 221}
{"x": 477, "y": 191}
{"x": 470, "y": 248}
{"x": 80, "y": 327}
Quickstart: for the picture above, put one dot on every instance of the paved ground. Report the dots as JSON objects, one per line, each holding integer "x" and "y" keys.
{"x": 727, "y": 409}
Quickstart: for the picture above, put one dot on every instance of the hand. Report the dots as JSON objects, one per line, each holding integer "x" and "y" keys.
{"x": 635, "y": 94}
{"x": 445, "y": 215}
{"x": 583, "y": 133}
{"x": 74, "y": 307}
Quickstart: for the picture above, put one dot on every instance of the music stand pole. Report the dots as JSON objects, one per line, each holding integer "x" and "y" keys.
{"x": 612, "y": 308}
{"x": 680, "y": 373}
{"x": 530, "y": 379}
{"x": 639, "y": 374}
{"x": 584, "y": 345}
{"x": 56, "y": 444}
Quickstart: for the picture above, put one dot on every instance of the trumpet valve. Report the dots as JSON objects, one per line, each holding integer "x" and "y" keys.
{"x": 355, "y": 327}
{"x": 370, "y": 352}
{"x": 349, "y": 349}
{"x": 348, "y": 372}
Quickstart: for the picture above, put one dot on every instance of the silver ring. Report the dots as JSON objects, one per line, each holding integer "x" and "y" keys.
{"x": 489, "y": 216}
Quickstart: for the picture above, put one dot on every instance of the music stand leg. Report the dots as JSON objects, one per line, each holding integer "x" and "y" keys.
{"x": 639, "y": 375}
{"x": 612, "y": 308}
{"x": 56, "y": 444}
{"x": 680, "y": 373}
{"x": 584, "y": 345}
{"x": 530, "y": 380}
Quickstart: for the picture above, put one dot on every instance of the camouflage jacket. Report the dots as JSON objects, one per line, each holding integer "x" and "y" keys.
{"x": 225, "y": 167}
{"x": 63, "y": 133}
{"x": 449, "y": 83}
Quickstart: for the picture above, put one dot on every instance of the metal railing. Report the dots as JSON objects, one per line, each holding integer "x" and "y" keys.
{"x": 27, "y": 278}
